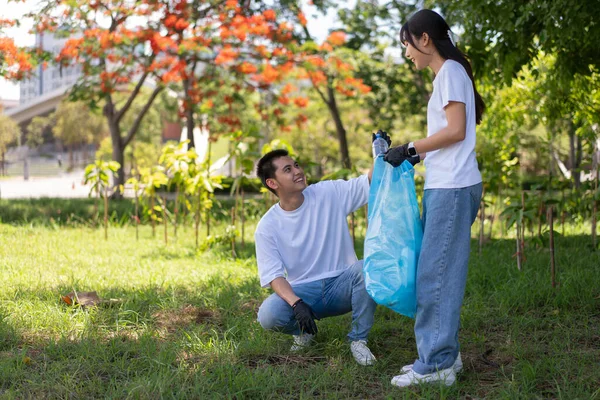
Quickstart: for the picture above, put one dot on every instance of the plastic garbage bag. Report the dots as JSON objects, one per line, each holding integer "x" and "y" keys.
{"x": 394, "y": 237}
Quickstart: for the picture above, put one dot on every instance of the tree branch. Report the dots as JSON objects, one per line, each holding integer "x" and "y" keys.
{"x": 133, "y": 94}
{"x": 140, "y": 116}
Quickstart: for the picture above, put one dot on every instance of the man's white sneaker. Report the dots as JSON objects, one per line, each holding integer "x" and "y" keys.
{"x": 445, "y": 377}
{"x": 361, "y": 352}
{"x": 457, "y": 366}
{"x": 301, "y": 341}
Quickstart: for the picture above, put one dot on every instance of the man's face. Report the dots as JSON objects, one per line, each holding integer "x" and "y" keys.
{"x": 289, "y": 177}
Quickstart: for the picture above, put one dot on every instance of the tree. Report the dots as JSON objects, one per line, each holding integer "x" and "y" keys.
{"x": 9, "y": 133}
{"x": 502, "y": 37}
{"x": 75, "y": 124}
{"x": 35, "y": 131}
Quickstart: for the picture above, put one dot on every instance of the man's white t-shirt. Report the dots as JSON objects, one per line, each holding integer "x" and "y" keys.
{"x": 313, "y": 241}
{"x": 454, "y": 166}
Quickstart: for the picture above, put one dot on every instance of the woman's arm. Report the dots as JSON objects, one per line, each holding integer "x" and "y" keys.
{"x": 453, "y": 133}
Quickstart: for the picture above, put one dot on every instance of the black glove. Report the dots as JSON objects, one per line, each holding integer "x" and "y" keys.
{"x": 397, "y": 155}
{"x": 305, "y": 317}
{"x": 384, "y": 136}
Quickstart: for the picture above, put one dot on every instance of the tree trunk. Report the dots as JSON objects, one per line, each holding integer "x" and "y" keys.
{"x": 552, "y": 263}
{"x": 595, "y": 209}
{"x": 189, "y": 114}
{"x": 176, "y": 212}
{"x": 574, "y": 155}
{"x": 233, "y": 237}
{"x": 518, "y": 247}
{"x": 197, "y": 216}
{"x": 243, "y": 219}
{"x": 113, "y": 118}
{"x": 137, "y": 215}
{"x": 578, "y": 159}
{"x": 164, "y": 208}
{"x": 118, "y": 155}
{"x": 481, "y": 222}
{"x": 152, "y": 216}
{"x": 105, "y": 213}
{"x": 339, "y": 127}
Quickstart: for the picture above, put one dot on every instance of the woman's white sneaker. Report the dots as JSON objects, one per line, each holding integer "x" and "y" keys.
{"x": 445, "y": 377}
{"x": 457, "y": 366}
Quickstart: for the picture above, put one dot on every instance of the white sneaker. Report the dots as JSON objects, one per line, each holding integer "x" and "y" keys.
{"x": 457, "y": 366}
{"x": 301, "y": 341}
{"x": 445, "y": 377}
{"x": 361, "y": 352}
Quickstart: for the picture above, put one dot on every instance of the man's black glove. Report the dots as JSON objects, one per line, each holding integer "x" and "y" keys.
{"x": 384, "y": 135}
{"x": 397, "y": 155}
{"x": 305, "y": 317}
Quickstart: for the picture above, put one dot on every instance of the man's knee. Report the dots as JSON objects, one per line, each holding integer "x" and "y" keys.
{"x": 270, "y": 313}
{"x": 357, "y": 270}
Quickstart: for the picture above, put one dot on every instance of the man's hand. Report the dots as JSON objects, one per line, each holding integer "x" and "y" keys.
{"x": 384, "y": 135}
{"x": 305, "y": 317}
{"x": 397, "y": 155}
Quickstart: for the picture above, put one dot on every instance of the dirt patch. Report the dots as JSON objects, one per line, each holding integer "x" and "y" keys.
{"x": 258, "y": 361}
{"x": 488, "y": 361}
{"x": 173, "y": 320}
{"x": 251, "y": 306}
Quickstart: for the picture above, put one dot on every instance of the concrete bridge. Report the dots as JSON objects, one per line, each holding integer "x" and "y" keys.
{"x": 42, "y": 105}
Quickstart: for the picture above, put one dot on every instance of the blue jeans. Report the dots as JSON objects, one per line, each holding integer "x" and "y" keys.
{"x": 442, "y": 274}
{"x": 327, "y": 298}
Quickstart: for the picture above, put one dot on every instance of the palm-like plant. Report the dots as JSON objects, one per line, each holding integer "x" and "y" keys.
{"x": 99, "y": 176}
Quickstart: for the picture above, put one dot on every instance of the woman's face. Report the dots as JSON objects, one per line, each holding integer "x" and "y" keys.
{"x": 421, "y": 58}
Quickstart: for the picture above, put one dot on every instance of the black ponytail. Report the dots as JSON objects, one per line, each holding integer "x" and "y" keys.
{"x": 430, "y": 22}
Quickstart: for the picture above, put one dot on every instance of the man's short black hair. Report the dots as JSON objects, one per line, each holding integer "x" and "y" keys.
{"x": 266, "y": 169}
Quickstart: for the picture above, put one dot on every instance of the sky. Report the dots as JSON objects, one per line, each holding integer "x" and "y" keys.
{"x": 318, "y": 25}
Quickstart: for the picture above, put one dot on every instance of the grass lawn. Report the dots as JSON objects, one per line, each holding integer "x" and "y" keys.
{"x": 184, "y": 325}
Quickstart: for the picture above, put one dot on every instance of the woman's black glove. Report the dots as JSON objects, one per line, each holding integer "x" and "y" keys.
{"x": 305, "y": 317}
{"x": 384, "y": 135}
{"x": 397, "y": 155}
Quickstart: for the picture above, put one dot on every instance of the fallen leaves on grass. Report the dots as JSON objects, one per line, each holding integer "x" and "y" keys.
{"x": 87, "y": 299}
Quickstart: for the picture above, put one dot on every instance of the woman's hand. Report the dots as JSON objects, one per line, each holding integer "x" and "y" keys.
{"x": 397, "y": 155}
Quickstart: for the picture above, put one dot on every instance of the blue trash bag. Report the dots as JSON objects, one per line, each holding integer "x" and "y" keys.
{"x": 394, "y": 237}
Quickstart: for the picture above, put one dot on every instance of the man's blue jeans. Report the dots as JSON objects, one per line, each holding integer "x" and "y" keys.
{"x": 442, "y": 274}
{"x": 327, "y": 298}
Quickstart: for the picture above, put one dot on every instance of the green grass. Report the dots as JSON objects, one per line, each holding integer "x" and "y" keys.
{"x": 184, "y": 324}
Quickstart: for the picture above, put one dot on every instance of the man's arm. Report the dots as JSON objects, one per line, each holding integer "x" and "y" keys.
{"x": 371, "y": 173}
{"x": 302, "y": 311}
{"x": 283, "y": 288}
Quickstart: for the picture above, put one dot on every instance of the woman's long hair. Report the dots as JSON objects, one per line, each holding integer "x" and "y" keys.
{"x": 430, "y": 22}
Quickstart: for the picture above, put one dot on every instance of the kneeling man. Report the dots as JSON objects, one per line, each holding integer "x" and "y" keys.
{"x": 306, "y": 255}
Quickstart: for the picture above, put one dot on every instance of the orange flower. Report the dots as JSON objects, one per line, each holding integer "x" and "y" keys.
{"x": 284, "y": 100}
{"x": 247, "y": 68}
{"x": 301, "y": 101}
{"x": 288, "y": 89}
{"x": 316, "y": 61}
{"x": 337, "y": 38}
{"x": 269, "y": 15}
{"x": 170, "y": 21}
{"x": 302, "y": 18}
{"x": 226, "y": 55}
{"x": 181, "y": 24}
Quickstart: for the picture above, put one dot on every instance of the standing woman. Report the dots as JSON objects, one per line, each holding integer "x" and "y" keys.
{"x": 451, "y": 200}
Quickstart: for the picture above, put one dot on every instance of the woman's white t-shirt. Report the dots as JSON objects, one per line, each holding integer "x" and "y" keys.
{"x": 454, "y": 166}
